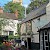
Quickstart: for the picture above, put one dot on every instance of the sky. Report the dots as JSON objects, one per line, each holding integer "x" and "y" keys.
{"x": 25, "y": 2}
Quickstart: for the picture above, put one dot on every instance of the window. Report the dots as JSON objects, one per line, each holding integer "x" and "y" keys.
{"x": 46, "y": 43}
{"x": 45, "y": 32}
{"x": 10, "y": 32}
{"x": 46, "y": 48}
{"x": 45, "y": 37}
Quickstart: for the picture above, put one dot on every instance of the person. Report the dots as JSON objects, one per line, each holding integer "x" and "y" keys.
{"x": 23, "y": 45}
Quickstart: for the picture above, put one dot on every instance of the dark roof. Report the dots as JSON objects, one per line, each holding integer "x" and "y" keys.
{"x": 36, "y": 13}
{"x": 8, "y": 15}
{"x": 47, "y": 26}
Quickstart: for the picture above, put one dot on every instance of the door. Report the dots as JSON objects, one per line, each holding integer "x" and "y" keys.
{"x": 29, "y": 43}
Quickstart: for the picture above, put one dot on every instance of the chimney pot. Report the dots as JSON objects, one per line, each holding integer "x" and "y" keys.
{"x": 1, "y": 10}
{"x": 16, "y": 13}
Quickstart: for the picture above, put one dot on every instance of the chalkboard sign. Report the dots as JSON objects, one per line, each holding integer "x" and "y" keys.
{"x": 18, "y": 41}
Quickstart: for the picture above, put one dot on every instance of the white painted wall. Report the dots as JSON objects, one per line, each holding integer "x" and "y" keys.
{"x": 12, "y": 26}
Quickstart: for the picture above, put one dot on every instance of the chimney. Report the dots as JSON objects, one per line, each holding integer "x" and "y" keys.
{"x": 1, "y": 10}
{"x": 16, "y": 13}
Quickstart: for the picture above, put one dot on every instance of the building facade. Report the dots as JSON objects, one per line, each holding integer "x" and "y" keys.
{"x": 44, "y": 32}
{"x": 33, "y": 22}
{"x": 11, "y": 28}
{"x": 9, "y": 20}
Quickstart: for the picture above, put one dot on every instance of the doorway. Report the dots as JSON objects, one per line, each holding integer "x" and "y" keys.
{"x": 29, "y": 43}
{"x": 44, "y": 40}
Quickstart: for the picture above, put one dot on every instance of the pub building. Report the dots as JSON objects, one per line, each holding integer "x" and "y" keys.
{"x": 44, "y": 37}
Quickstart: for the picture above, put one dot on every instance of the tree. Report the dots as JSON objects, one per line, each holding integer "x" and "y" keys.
{"x": 44, "y": 1}
{"x": 28, "y": 9}
{"x": 35, "y": 4}
{"x": 12, "y": 7}
{"x": 39, "y": 0}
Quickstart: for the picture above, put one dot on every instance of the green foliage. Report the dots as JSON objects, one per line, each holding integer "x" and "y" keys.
{"x": 1, "y": 44}
{"x": 10, "y": 37}
{"x": 13, "y": 37}
{"x": 35, "y": 4}
{"x": 44, "y": 1}
{"x": 12, "y": 7}
{"x": 28, "y": 9}
{"x": 40, "y": 0}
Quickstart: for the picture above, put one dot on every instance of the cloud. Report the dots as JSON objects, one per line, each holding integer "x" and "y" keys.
{"x": 26, "y": 3}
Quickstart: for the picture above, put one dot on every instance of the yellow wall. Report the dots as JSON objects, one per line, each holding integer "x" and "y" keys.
{"x": 14, "y": 1}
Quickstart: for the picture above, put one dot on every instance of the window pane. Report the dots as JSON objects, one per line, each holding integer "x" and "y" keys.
{"x": 46, "y": 48}
{"x": 10, "y": 32}
{"x": 45, "y": 37}
{"x": 46, "y": 43}
{"x": 45, "y": 32}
